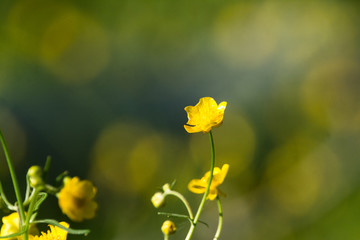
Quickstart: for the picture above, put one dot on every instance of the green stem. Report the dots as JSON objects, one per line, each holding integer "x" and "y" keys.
{"x": 202, "y": 203}
{"x": 166, "y": 237}
{"x": 183, "y": 199}
{"x": 4, "y": 199}
{"x": 33, "y": 200}
{"x": 218, "y": 231}
{"x": 15, "y": 184}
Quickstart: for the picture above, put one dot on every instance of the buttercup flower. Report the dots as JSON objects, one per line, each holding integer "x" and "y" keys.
{"x": 204, "y": 115}
{"x": 55, "y": 233}
{"x": 199, "y": 185}
{"x": 168, "y": 227}
{"x": 11, "y": 225}
{"x": 76, "y": 199}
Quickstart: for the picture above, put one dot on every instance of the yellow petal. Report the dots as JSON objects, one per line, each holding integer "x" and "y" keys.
{"x": 222, "y": 174}
{"x": 204, "y": 115}
{"x": 192, "y": 129}
{"x": 212, "y": 194}
{"x": 197, "y": 186}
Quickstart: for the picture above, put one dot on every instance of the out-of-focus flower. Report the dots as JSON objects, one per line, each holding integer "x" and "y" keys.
{"x": 199, "y": 185}
{"x": 158, "y": 199}
{"x": 76, "y": 199}
{"x": 55, "y": 233}
{"x": 11, "y": 225}
{"x": 168, "y": 227}
{"x": 204, "y": 115}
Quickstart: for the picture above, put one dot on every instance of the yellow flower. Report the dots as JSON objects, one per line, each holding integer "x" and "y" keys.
{"x": 11, "y": 225}
{"x": 199, "y": 185}
{"x": 55, "y": 233}
{"x": 205, "y": 115}
{"x": 76, "y": 199}
{"x": 168, "y": 227}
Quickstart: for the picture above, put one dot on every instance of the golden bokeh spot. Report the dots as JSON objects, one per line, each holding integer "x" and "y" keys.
{"x": 126, "y": 157}
{"x": 28, "y": 21}
{"x": 314, "y": 26}
{"x": 247, "y": 34}
{"x": 301, "y": 174}
{"x": 70, "y": 44}
{"x": 330, "y": 95}
{"x": 60, "y": 35}
{"x": 143, "y": 161}
{"x": 75, "y": 47}
{"x": 235, "y": 144}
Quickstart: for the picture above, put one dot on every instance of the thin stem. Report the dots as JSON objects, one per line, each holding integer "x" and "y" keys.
{"x": 4, "y": 199}
{"x": 27, "y": 192}
{"x": 183, "y": 199}
{"x": 33, "y": 200}
{"x": 30, "y": 197}
{"x": 166, "y": 237}
{"x": 15, "y": 184}
{"x": 202, "y": 203}
{"x": 218, "y": 231}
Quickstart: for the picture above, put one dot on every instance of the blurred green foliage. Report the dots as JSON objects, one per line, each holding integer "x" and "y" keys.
{"x": 101, "y": 86}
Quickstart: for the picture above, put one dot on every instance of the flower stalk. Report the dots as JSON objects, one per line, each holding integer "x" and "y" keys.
{"x": 202, "y": 117}
{"x": 218, "y": 230}
{"x": 21, "y": 224}
{"x": 15, "y": 184}
{"x": 182, "y": 199}
{"x": 202, "y": 203}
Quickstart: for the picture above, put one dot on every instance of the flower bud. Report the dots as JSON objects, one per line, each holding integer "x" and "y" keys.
{"x": 35, "y": 176}
{"x": 166, "y": 187}
{"x": 35, "y": 171}
{"x": 158, "y": 199}
{"x": 66, "y": 179}
{"x": 168, "y": 227}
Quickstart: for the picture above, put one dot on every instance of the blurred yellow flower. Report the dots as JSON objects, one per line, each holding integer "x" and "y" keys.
{"x": 76, "y": 199}
{"x": 199, "y": 185}
{"x": 11, "y": 225}
{"x": 55, "y": 233}
{"x": 205, "y": 115}
{"x": 168, "y": 227}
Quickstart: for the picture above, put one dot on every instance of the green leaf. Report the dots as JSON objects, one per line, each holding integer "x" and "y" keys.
{"x": 46, "y": 167}
{"x": 42, "y": 196}
{"x": 173, "y": 184}
{"x": 173, "y": 215}
{"x": 41, "y": 199}
{"x": 69, "y": 230}
{"x": 13, "y": 235}
{"x": 181, "y": 216}
{"x": 61, "y": 176}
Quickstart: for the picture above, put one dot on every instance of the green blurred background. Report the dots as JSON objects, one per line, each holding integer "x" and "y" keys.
{"x": 101, "y": 86}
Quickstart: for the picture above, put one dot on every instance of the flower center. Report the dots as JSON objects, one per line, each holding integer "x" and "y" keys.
{"x": 79, "y": 202}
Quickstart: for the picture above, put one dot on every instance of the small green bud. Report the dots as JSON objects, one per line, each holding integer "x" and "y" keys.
{"x": 35, "y": 171}
{"x": 35, "y": 176}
